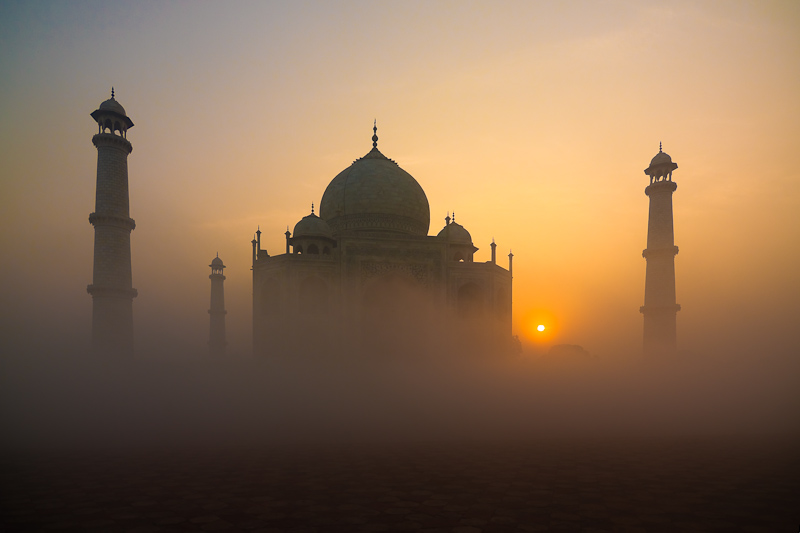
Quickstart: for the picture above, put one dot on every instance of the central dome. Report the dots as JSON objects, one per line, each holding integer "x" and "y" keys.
{"x": 375, "y": 195}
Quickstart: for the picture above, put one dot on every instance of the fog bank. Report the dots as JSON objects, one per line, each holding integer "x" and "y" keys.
{"x": 71, "y": 401}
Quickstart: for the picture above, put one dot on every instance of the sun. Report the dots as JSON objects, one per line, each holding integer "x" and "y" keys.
{"x": 540, "y": 326}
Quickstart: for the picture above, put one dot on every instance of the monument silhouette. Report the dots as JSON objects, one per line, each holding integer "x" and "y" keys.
{"x": 366, "y": 268}
{"x": 659, "y": 309}
{"x": 217, "y": 312}
{"x": 112, "y": 288}
{"x": 365, "y": 264}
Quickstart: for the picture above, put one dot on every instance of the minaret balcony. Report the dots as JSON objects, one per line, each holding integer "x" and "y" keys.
{"x": 660, "y": 187}
{"x": 127, "y": 223}
{"x": 111, "y": 292}
{"x": 112, "y": 139}
{"x": 669, "y": 251}
{"x": 659, "y": 309}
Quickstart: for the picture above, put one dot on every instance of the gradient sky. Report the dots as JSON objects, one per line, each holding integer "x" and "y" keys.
{"x": 532, "y": 121}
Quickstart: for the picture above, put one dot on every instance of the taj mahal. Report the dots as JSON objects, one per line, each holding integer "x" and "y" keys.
{"x": 365, "y": 270}
{"x": 362, "y": 275}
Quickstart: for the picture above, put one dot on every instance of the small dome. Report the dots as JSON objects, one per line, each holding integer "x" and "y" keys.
{"x": 216, "y": 264}
{"x": 312, "y": 226}
{"x": 661, "y": 158}
{"x": 661, "y": 166}
{"x": 113, "y": 106}
{"x": 110, "y": 113}
{"x": 454, "y": 232}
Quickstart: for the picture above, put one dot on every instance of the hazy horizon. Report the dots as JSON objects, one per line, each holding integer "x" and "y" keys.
{"x": 532, "y": 121}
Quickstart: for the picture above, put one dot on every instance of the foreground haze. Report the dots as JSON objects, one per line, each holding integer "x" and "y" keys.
{"x": 82, "y": 404}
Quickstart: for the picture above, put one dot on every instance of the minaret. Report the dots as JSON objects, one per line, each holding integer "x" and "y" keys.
{"x": 216, "y": 335}
{"x": 659, "y": 309}
{"x": 111, "y": 289}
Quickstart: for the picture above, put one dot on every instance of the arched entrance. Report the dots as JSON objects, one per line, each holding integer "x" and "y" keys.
{"x": 396, "y": 312}
{"x": 470, "y": 301}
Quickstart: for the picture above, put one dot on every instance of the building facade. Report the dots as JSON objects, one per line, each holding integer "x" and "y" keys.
{"x": 365, "y": 274}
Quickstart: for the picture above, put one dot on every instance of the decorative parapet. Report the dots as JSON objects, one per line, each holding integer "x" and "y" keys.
{"x": 660, "y": 187}
{"x": 111, "y": 292}
{"x": 371, "y": 269}
{"x": 659, "y": 309}
{"x": 660, "y": 252}
{"x": 377, "y": 221}
{"x": 112, "y": 220}
{"x": 107, "y": 139}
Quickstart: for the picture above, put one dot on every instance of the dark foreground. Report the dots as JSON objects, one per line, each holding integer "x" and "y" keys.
{"x": 669, "y": 485}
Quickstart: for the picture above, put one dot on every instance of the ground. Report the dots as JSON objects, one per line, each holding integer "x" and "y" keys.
{"x": 632, "y": 485}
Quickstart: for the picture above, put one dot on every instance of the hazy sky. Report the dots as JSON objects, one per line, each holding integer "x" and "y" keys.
{"x": 532, "y": 121}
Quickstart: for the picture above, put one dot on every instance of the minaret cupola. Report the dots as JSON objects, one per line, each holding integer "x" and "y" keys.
{"x": 661, "y": 167}
{"x": 111, "y": 117}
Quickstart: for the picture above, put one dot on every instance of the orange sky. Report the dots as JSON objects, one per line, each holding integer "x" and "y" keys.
{"x": 532, "y": 121}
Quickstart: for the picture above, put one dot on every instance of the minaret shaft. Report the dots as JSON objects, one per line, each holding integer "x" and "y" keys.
{"x": 216, "y": 332}
{"x": 660, "y": 232}
{"x": 112, "y": 289}
{"x": 660, "y": 307}
{"x": 112, "y": 174}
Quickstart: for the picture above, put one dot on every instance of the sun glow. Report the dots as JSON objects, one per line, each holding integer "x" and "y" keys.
{"x": 539, "y": 326}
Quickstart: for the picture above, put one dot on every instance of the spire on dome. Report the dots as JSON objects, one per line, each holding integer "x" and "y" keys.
{"x": 375, "y": 133}
{"x": 659, "y": 147}
{"x": 312, "y": 209}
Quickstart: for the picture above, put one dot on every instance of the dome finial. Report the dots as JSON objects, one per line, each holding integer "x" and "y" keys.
{"x": 454, "y": 217}
{"x": 312, "y": 208}
{"x": 659, "y": 146}
{"x": 112, "y": 92}
{"x": 375, "y": 133}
